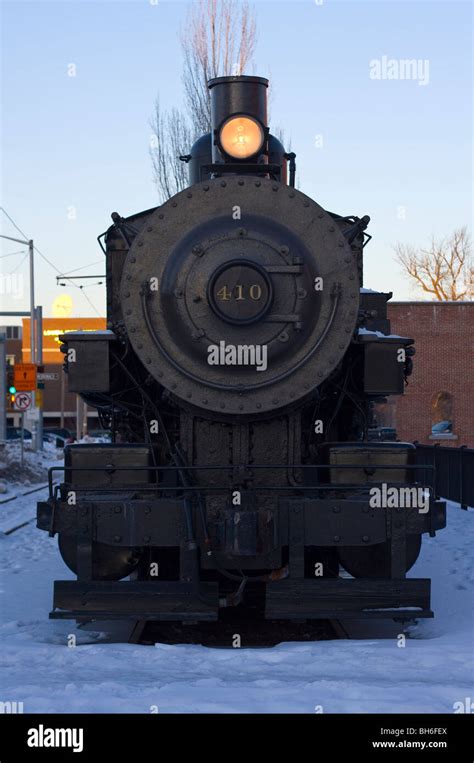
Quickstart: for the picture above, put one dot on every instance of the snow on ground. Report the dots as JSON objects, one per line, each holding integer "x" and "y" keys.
{"x": 432, "y": 672}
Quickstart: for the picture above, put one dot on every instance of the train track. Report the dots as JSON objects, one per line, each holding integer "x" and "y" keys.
{"x": 13, "y": 529}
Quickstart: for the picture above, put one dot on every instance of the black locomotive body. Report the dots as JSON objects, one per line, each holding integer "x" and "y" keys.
{"x": 238, "y": 375}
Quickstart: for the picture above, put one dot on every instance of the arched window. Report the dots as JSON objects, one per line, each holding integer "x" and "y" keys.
{"x": 441, "y": 414}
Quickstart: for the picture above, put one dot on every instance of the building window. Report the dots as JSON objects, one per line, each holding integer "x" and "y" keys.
{"x": 441, "y": 414}
{"x": 13, "y": 332}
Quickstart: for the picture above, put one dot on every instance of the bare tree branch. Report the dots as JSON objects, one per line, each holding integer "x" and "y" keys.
{"x": 444, "y": 270}
{"x": 218, "y": 39}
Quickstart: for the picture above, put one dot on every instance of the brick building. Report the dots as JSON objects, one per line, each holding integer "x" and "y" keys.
{"x": 438, "y": 404}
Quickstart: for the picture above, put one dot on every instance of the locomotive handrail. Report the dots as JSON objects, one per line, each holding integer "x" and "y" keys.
{"x": 228, "y": 467}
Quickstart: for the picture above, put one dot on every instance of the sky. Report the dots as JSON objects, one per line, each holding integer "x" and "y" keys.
{"x": 74, "y": 149}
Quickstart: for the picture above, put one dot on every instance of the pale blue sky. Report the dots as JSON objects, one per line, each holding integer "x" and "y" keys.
{"x": 82, "y": 141}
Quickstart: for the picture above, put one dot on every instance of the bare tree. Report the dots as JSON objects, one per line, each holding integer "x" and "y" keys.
{"x": 444, "y": 270}
{"x": 171, "y": 139}
{"x": 218, "y": 39}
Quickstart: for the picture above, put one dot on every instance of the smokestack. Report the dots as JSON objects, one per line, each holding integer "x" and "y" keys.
{"x": 236, "y": 95}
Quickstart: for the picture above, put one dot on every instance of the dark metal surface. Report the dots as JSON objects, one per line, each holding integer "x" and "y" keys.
{"x": 306, "y": 332}
{"x": 451, "y": 471}
{"x": 347, "y": 599}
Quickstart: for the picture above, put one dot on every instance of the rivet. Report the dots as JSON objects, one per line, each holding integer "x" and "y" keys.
{"x": 205, "y": 187}
{"x": 161, "y": 215}
{"x": 284, "y": 250}
{"x": 128, "y": 277}
{"x": 160, "y": 374}
{"x": 139, "y": 345}
{"x": 133, "y": 259}
{"x": 336, "y": 509}
{"x": 291, "y": 194}
{"x": 127, "y": 294}
{"x": 189, "y": 195}
{"x": 140, "y": 243}
{"x": 129, "y": 312}
{"x": 117, "y": 538}
{"x": 258, "y": 183}
{"x": 258, "y": 405}
{"x": 118, "y": 509}
{"x": 241, "y": 182}
{"x": 223, "y": 183}
{"x": 146, "y": 538}
{"x": 274, "y": 187}
{"x": 205, "y": 401}
{"x": 337, "y": 538}
{"x": 197, "y": 249}
{"x": 305, "y": 203}
{"x": 275, "y": 400}
{"x": 320, "y": 214}
{"x": 174, "y": 204}
{"x": 365, "y": 538}
{"x": 331, "y": 229}
{"x": 149, "y": 229}
{"x": 222, "y": 405}
{"x": 133, "y": 330}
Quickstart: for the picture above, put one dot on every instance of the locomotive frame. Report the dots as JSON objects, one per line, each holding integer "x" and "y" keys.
{"x": 220, "y": 479}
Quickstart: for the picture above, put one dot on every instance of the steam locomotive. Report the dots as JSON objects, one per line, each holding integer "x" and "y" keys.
{"x": 238, "y": 374}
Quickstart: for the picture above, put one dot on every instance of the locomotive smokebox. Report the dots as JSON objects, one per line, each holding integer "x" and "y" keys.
{"x": 239, "y": 117}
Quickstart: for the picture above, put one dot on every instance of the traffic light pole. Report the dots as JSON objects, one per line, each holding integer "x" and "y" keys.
{"x": 31, "y": 251}
{"x": 3, "y": 389}
{"x": 39, "y": 361}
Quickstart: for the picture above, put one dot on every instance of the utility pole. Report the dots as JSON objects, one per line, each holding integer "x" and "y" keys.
{"x": 31, "y": 251}
{"x": 39, "y": 360}
{"x": 3, "y": 389}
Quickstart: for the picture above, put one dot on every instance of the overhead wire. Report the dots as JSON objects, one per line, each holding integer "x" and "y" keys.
{"x": 51, "y": 264}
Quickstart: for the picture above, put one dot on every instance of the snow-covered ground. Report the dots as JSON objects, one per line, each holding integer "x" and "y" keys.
{"x": 432, "y": 672}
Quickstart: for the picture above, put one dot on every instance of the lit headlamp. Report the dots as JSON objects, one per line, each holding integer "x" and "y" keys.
{"x": 241, "y": 137}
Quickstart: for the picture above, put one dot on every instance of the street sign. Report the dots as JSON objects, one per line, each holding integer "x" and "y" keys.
{"x": 24, "y": 377}
{"x": 47, "y": 377}
{"x": 22, "y": 401}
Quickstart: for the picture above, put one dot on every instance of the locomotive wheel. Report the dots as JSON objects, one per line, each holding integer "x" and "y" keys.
{"x": 374, "y": 561}
{"x": 108, "y": 562}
